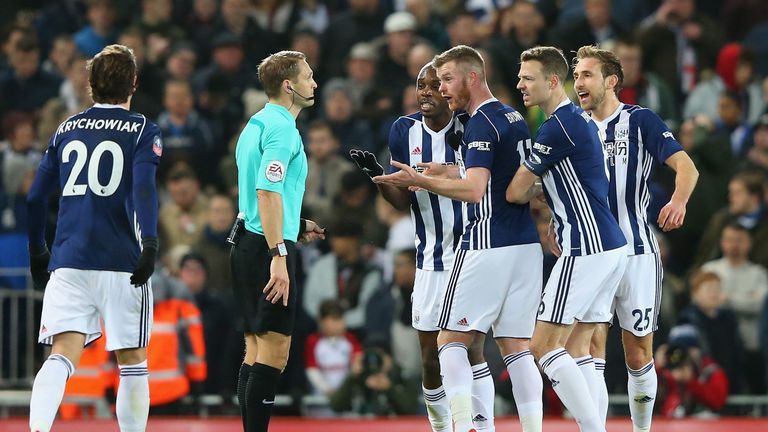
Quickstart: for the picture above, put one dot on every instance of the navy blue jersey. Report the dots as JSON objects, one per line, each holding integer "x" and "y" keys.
{"x": 568, "y": 156}
{"x": 103, "y": 160}
{"x": 438, "y": 220}
{"x": 633, "y": 138}
{"x": 496, "y": 137}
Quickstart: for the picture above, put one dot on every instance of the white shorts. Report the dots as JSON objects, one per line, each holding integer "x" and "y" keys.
{"x": 428, "y": 292}
{"x": 582, "y": 287}
{"x": 75, "y": 300}
{"x": 499, "y": 288}
{"x": 638, "y": 298}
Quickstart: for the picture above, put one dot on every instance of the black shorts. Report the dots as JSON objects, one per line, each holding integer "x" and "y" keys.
{"x": 250, "y": 261}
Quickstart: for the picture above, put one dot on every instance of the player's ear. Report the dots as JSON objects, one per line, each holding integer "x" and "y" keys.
{"x": 287, "y": 87}
{"x": 613, "y": 81}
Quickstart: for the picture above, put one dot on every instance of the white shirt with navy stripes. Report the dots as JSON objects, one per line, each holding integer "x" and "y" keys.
{"x": 568, "y": 156}
{"x": 496, "y": 137}
{"x": 438, "y": 220}
{"x": 634, "y": 138}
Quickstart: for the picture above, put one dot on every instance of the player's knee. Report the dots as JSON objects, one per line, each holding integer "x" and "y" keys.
{"x": 131, "y": 356}
{"x": 637, "y": 356}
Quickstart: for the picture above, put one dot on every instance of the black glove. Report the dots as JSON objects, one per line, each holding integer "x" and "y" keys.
{"x": 146, "y": 264}
{"x": 367, "y": 162}
{"x": 38, "y": 266}
{"x": 454, "y": 139}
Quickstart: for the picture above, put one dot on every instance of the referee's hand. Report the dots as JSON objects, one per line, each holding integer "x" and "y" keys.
{"x": 277, "y": 287}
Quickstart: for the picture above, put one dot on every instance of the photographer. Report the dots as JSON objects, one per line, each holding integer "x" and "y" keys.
{"x": 691, "y": 383}
{"x": 374, "y": 387}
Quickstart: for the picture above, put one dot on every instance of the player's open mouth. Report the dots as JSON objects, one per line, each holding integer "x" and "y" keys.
{"x": 425, "y": 104}
{"x": 583, "y": 96}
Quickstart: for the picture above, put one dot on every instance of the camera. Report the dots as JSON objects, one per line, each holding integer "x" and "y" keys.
{"x": 373, "y": 361}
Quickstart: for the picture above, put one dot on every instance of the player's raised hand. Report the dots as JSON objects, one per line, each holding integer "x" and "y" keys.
{"x": 551, "y": 239}
{"x": 671, "y": 216}
{"x": 277, "y": 287}
{"x": 367, "y": 162}
{"x": 146, "y": 265}
{"x": 406, "y": 177}
{"x": 38, "y": 266}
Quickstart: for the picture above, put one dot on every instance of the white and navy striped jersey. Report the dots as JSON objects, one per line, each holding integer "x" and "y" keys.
{"x": 496, "y": 137}
{"x": 568, "y": 156}
{"x": 633, "y": 137}
{"x": 438, "y": 220}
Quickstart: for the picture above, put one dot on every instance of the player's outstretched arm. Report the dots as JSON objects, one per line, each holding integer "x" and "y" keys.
{"x": 672, "y": 215}
{"x": 523, "y": 187}
{"x": 470, "y": 189}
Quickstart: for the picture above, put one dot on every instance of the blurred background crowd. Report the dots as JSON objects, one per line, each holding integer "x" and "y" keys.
{"x": 700, "y": 64}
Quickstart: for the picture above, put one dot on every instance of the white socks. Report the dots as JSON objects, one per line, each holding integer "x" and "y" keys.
{"x": 641, "y": 387}
{"x": 47, "y": 392}
{"x": 483, "y": 397}
{"x": 527, "y": 389}
{"x": 457, "y": 381}
{"x": 133, "y": 398}
{"x": 596, "y": 385}
{"x": 438, "y": 409}
{"x": 572, "y": 389}
{"x": 602, "y": 397}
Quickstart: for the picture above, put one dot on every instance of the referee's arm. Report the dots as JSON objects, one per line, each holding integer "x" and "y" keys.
{"x": 271, "y": 214}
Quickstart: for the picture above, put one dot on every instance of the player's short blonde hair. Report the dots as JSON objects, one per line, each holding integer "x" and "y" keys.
{"x": 552, "y": 60}
{"x": 609, "y": 62}
{"x": 465, "y": 57}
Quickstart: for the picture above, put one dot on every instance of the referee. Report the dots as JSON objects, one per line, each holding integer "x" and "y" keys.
{"x": 272, "y": 170}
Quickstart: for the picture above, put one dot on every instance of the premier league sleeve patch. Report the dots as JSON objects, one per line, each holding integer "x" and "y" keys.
{"x": 275, "y": 171}
{"x": 157, "y": 145}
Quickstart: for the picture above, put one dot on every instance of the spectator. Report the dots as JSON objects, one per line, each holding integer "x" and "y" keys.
{"x": 186, "y": 136}
{"x": 176, "y": 350}
{"x": 746, "y": 194}
{"x": 331, "y": 351}
{"x": 326, "y": 168}
{"x": 308, "y": 42}
{"x": 200, "y": 27}
{"x": 391, "y": 70}
{"x": 730, "y": 128}
{"x": 343, "y": 274}
{"x": 400, "y": 235}
{"x": 641, "y": 87}
{"x": 595, "y": 28}
{"x": 375, "y": 387}
{"x": 757, "y": 157}
{"x": 313, "y": 15}
{"x": 60, "y": 56}
{"x": 360, "y": 23}
{"x": 429, "y": 25}
{"x": 462, "y": 30}
{"x": 26, "y": 87}
{"x": 182, "y": 219}
{"x": 355, "y": 202}
{"x": 218, "y": 333}
{"x": 147, "y": 97}
{"x": 213, "y": 246}
{"x": 679, "y": 44}
{"x": 181, "y": 62}
{"x": 674, "y": 293}
{"x": 361, "y": 73}
{"x": 745, "y": 285}
{"x": 18, "y": 162}
{"x": 100, "y": 30}
{"x": 338, "y": 108}
{"x": 419, "y": 55}
{"x": 156, "y": 24}
{"x": 390, "y": 314}
{"x": 735, "y": 73}
{"x": 690, "y": 382}
{"x": 229, "y": 63}
{"x": 716, "y": 325}
{"x": 236, "y": 20}
{"x": 73, "y": 98}
{"x": 520, "y": 27}
{"x": 10, "y": 36}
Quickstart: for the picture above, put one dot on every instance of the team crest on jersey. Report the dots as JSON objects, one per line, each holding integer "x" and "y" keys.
{"x": 157, "y": 145}
{"x": 668, "y": 134}
{"x": 275, "y": 171}
{"x": 621, "y": 133}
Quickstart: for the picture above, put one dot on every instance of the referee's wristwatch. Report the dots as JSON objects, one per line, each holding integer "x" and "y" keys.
{"x": 279, "y": 250}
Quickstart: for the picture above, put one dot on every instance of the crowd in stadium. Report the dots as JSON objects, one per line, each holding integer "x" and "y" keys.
{"x": 700, "y": 64}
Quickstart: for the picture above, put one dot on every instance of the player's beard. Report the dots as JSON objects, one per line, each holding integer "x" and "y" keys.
{"x": 595, "y": 100}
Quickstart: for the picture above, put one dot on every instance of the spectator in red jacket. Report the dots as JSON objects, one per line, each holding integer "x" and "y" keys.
{"x": 690, "y": 382}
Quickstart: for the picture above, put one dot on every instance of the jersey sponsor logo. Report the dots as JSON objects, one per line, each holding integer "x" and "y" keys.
{"x": 463, "y": 322}
{"x": 514, "y": 117}
{"x": 668, "y": 134}
{"x": 541, "y": 148}
{"x": 275, "y": 171}
{"x": 416, "y": 151}
{"x": 157, "y": 145}
{"x": 480, "y": 145}
{"x": 616, "y": 149}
